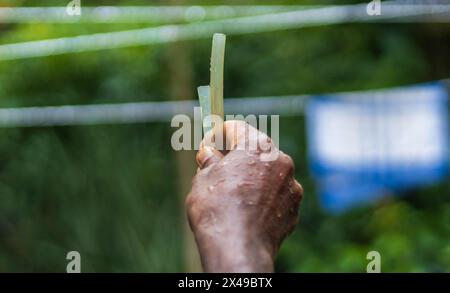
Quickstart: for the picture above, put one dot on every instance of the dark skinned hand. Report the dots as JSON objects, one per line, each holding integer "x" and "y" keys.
{"x": 241, "y": 207}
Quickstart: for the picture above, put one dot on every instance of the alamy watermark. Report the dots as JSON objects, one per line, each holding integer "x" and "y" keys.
{"x": 74, "y": 8}
{"x": 374, "y": 265}
{"x": 374, "y": 7}
{"x": 182, "y": 137}
{"x": 74, "y": 264}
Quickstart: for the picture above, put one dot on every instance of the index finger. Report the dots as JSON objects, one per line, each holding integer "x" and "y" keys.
{"x": 239, "y": 135}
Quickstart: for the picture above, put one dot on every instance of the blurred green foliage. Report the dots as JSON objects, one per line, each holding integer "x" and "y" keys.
{"x": 111, "y": 192}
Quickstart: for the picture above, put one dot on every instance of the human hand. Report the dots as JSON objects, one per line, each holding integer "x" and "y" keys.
{"x": 240, "y": 207}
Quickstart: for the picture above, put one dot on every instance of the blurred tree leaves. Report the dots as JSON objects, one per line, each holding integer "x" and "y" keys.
{"x": 110, "y": 191}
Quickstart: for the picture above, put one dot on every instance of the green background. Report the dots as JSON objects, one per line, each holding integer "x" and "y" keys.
{"x": 112, "y": 192}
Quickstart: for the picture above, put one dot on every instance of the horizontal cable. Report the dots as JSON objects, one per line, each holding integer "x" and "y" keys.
{"x": 136, "y": 14}
{"x": 141, "y": 112}
{"x": 241, "y": 25}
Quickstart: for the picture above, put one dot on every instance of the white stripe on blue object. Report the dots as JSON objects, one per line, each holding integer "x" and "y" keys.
{"x": 362, "y": 147}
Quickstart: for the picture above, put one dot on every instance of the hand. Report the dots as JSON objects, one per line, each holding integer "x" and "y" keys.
{"x": 241, "y": 208}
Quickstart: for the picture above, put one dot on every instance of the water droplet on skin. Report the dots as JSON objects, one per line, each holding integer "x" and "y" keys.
{"x": 279, "y": 215}
{"x": 266, "y": 165}
{"x": 250, "y": 203}
{"x": 261, "y": 173}
{"x": 281, "y": 175}
{"x": 210, "y": 188}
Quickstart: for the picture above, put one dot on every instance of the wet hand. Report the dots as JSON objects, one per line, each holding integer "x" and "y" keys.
{"x": 242, "y": 205}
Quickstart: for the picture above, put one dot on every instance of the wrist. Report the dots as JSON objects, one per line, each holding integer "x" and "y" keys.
{"x": 233, "y": 251}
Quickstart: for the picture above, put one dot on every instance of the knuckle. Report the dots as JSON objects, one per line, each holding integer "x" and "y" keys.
{"x": 234, "y": 123}
{"x": 298, "y": 191}
{"x": 190, "y": 202}
{"x": 193, "y": 210}
{"x": 286, "y": 162}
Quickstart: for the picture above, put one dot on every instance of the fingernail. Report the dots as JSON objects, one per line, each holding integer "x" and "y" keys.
{"x": 205, "y": 153}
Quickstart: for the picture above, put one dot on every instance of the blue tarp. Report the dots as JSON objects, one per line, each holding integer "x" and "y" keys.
{"x": 363, "y": 147}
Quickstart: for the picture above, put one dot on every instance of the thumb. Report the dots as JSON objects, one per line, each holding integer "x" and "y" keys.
{"x": 207, "y": 156}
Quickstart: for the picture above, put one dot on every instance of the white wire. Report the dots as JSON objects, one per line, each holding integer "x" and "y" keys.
{"x": 241, "y": 25}
{"x": 141, "y": 111}
{"x": 136, "y": 14}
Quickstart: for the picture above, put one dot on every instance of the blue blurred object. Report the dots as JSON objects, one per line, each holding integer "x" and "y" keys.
{"x": 363, "y": 147}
